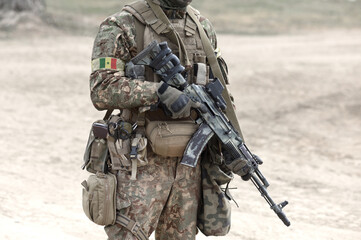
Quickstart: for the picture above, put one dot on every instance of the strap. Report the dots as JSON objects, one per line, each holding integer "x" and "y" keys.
{"x": 132, "y": 226}
{"x": 134, "y": 155}
{"x": 139, "y": 36}
{"x": 173, "y": 35}
{"x": 231, "y": 114}
{"x": 107, "y": 114}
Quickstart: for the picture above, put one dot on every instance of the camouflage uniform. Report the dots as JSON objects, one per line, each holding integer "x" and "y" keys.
{"x": 165, "y": 197}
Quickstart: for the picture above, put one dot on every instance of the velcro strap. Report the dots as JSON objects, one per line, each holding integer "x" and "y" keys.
{"x": 132, "y": 226}
{"x": 139, "y": 6}
{"x": 162, "y": 88}
{"x": 190, "y": 27}
{"x": 159, "y": 27}
{"x": 108, "y": 63}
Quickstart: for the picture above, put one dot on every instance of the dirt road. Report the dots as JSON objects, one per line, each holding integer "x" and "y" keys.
{"x": 299, "y": 104}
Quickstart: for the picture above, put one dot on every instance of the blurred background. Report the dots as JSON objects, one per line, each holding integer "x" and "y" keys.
{"x": 295, "y": 72}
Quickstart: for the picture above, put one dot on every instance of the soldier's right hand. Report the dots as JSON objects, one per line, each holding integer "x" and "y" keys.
{"x": 175, "y": 102}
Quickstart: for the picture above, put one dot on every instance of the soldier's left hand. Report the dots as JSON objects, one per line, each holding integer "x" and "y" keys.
{"x": 240, "y": 167}
{"x": 175, "y": 102}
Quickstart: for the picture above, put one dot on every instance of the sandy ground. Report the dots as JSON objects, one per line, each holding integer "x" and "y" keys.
{"x": 298, "y": 100}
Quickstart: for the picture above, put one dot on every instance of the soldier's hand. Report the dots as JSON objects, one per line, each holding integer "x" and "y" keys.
{"x": 240, "y": 167}
{"x": 176, "y": 102}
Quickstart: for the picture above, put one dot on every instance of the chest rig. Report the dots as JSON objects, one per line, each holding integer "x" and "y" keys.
{"x": 150, "y": 27}
{"x": 186, "y": 37}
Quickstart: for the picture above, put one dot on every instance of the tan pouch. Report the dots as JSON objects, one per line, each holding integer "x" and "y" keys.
{"x": 120, "y": 152}
{"x": 96, "y": 153}
{"x": 169, "y": 138}
{"x": 99, "y": 198}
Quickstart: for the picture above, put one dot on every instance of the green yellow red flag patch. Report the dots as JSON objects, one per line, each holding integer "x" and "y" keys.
{"x": 108, "y": 63}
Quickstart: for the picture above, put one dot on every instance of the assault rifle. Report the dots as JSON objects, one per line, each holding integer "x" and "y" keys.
{"x": 212, "y": 121}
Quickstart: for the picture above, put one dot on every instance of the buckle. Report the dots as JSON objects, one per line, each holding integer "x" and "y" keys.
{"x": 135, "y": 228}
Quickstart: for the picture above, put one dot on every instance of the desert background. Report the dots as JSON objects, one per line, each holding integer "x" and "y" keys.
{"x": 295, "y": 71}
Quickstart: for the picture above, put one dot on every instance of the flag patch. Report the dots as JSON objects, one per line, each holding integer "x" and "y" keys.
{"x": 108, "y": 63}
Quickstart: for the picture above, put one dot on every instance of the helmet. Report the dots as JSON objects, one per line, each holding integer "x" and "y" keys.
{"x": 175, "y": 4}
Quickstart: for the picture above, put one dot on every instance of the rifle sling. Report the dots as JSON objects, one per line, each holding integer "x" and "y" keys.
{"x": 230, "y": 112}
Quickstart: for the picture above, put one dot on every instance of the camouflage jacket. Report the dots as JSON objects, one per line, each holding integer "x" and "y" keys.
{"x": 110, "y": 89}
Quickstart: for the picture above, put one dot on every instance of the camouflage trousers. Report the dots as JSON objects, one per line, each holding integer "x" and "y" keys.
{"x": 164, "y": 198}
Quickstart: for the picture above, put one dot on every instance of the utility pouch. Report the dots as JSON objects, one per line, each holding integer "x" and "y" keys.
{"x": 214, "y": 215}
{"x": 124, "y": 146}
{"x": 169, "y": 138}
{"x": 99, "y": 198}
{"x": 96, "y": 152}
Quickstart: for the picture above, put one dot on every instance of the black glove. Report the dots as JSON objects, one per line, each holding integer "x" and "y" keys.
{"x": 176, "y": 102}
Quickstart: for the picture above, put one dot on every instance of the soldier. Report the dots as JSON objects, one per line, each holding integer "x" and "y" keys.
{"x": 155, "y": 193}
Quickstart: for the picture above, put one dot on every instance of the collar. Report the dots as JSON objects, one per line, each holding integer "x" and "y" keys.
{"x": 175, "y": 13}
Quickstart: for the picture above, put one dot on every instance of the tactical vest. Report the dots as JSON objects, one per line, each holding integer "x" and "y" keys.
{"x": 149, "y": 28}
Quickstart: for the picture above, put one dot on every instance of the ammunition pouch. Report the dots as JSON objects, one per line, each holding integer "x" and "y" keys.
{"x": 170, "y": 138}
{"x": 96, "y": 151}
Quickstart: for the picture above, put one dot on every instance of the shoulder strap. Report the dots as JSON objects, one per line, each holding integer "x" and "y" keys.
{"x": 142, "y": 11}
{"x": 107, "y": 114}
{"x": 139, "y": 36}
{"x": 231, "y": 114}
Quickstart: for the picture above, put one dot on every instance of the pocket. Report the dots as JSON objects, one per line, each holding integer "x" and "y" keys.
{"x": 98, "y": 156}
{"x": 99, "y": 198}
{"x": 122, "y": 201}
{"x": 214, "y": 216}
{"x": 170, "y": 138}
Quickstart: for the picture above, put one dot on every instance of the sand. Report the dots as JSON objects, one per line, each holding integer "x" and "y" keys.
{"x": 298, "y": 101}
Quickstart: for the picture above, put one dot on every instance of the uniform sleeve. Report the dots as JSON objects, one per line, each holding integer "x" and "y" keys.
{"x": 109, "y": 87}
{"x": 211, "y": 33}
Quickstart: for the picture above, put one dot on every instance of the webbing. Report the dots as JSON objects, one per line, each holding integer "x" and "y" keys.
{"x": 132, "y": 226}
{"x": 174, "y": 35}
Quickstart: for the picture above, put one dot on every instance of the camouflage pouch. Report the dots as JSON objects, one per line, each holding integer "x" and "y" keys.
{"x": 99, "y": 198}
{"x": 96, "y": 151}
{"x": 214, "y": 216}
